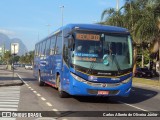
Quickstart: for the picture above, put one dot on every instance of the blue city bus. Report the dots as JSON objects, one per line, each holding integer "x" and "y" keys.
{"x": 86, "y": 60}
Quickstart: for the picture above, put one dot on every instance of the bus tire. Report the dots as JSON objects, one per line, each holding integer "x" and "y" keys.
{"x": 41, "y": 83}
{"x": 62, "y": 94}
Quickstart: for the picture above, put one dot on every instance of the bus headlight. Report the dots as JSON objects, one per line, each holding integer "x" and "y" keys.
{"x": 127, "y": 80}
{"x": 78, "y": 78}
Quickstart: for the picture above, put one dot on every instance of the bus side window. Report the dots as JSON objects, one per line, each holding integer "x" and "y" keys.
{"x": 52, "y": 45}
{"x": 47, "y": 50}
{"x": 58, "y": 49}
{"x": 43, "y": 48}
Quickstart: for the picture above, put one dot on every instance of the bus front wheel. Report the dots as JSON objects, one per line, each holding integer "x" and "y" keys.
{"x": 41, "y": 83}
{"x": 62, "y": 94}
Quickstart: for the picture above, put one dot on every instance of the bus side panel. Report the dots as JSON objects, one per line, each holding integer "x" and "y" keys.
{"x": 65, "y": 75}
{"x": 52, "y": 67}
{"x": 36, "y": 66}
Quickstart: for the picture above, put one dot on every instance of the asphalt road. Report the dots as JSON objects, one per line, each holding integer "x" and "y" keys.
{"x": 36, "y": 98}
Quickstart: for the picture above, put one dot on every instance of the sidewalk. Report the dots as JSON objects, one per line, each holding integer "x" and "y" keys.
{"x": 7, "y": 79}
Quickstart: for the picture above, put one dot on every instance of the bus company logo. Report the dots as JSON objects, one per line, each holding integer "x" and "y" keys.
{"x": 92, "y": 78}
{"x": 104, "y": 85}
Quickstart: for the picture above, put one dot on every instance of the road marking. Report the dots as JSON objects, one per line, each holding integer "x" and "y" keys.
{"x": 8, "y": 109}
{"x": 9, "y": 98}
{"x": 38, "y": 95}
{"x": 35, "y": 91}
{"x": 5, "y": 100}
{"x": 134, "y": 106}
{"x": 56, "y": 111}
{"x": 10, "y": 106}
{"x": 9, "y": 102}
{"x": 43, "y": 98}
{"x": 49, "y": 104}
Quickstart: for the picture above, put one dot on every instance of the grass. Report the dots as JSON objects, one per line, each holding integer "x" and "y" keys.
{"x": 146, "y": 81}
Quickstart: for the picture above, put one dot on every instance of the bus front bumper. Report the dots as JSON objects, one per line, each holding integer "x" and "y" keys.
{"x": 100, "y": 89}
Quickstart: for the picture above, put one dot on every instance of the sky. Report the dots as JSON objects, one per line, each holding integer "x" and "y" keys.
{"x": 33, "y": 20}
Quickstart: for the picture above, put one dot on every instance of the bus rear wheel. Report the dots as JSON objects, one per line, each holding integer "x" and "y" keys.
{"x": 41, "y": 83}
{"x": 62, "y": 94}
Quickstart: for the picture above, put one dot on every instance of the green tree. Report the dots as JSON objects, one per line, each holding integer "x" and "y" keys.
{"x": 7, "y": 57}
{"x": 27, "y": 58}
{"x": 141, "y": 17}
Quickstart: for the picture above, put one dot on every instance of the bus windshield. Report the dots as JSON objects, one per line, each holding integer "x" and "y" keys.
{"x": 100, "y": 51}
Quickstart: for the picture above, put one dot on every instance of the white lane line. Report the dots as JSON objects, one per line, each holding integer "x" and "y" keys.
{"x": 29, "y": 87}
{"x": 35, "y": 91}
{"x": 8, "y": 109}
{"x": 43, "y": 98}
{"x": 64, "y": 119}
{"x": 49, "y": 104}
{"x": 9, "y": 98}
{"x": 32, "y": 89}
{"x": 56, "y": 111}
{"x": 9, "y": 103}
{"x": 134, "y": 106}
{"x": 6, "y": 100}
{"x": 21, "y": 78}
{"x": 10, "y": 106}
{"x": 11, "y": 95}
{"x": 38, "y": 94}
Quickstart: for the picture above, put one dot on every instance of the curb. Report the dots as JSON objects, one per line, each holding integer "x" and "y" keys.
{"x": 11, "y": 84}
{"x": 17, "y": 82}
{"x": 20, "y": 78}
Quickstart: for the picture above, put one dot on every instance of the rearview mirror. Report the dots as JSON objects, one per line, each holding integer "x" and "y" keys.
{"x": 70, "y": 41}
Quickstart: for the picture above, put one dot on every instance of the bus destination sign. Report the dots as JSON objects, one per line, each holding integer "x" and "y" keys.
{"x": 92, "y": 37}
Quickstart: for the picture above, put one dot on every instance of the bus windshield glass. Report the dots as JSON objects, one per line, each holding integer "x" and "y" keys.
{"x": 100, "y": 51}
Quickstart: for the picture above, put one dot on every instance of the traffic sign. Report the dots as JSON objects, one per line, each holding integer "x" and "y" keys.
{"x": 14, "y": 48}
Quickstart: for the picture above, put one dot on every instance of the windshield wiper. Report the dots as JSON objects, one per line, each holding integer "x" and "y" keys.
{"x": 90, "y": 69}
{"x": 116, "y": 62}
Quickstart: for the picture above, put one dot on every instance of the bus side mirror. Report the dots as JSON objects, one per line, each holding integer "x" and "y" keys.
{"x": 70, "y": 41}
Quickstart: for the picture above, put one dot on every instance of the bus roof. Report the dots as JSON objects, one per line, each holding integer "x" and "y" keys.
{"x": 98, "y": 27}
{"x": 91, "y": 27}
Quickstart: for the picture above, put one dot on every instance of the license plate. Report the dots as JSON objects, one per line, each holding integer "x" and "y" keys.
{"x": 103, "y": 92}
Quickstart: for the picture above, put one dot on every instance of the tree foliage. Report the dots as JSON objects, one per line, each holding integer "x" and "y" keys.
{"x": 27, "y": 58}
{"x": 141, "y": 17}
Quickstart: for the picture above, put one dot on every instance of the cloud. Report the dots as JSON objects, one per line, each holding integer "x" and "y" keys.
{"x": 7, "y": 32}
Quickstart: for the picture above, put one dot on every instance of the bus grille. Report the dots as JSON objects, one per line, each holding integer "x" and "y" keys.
{"x": 103, "y": 84}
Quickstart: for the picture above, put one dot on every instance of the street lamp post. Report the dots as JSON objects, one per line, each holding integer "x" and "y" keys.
{"x": 13, "y": 60}
{"x": 62, "y": 7}
{"x": 117, "y": 5}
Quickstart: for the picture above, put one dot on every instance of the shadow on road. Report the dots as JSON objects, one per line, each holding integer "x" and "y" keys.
{"x": 137, "y": 95}
{"x": 29, "y": 79}
{"x": 9, "y": 78}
